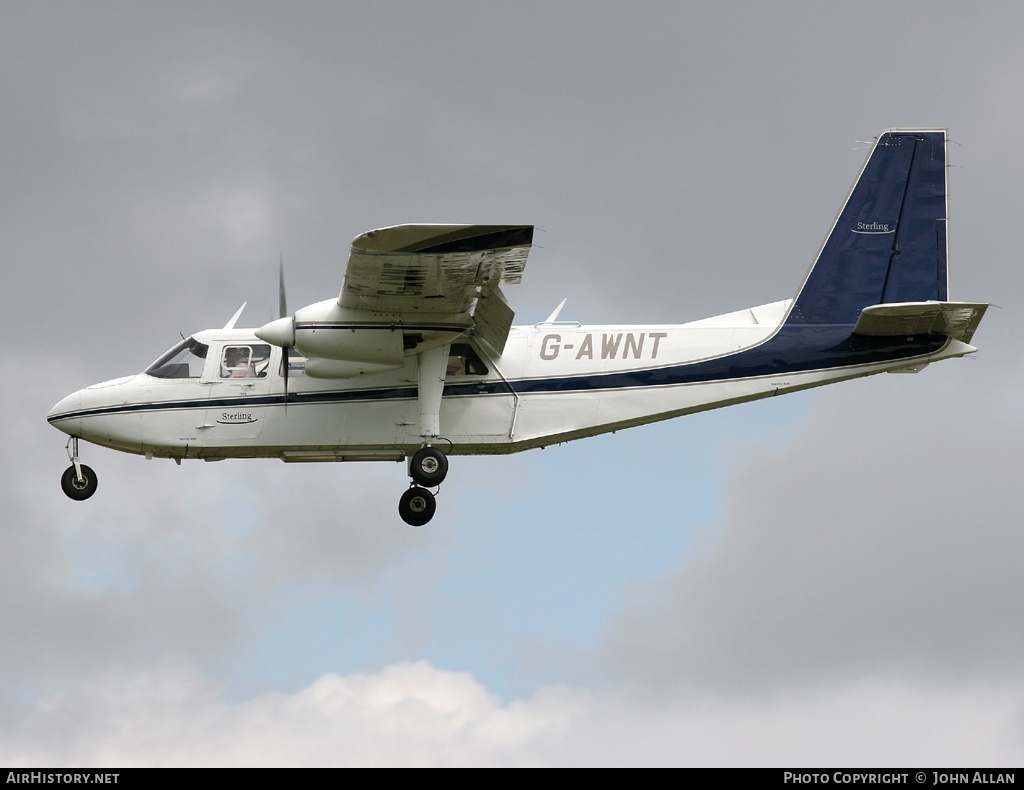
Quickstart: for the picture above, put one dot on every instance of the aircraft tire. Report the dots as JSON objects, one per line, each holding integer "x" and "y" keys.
{"x": 429, "y": 467}
{"x": 417, "y": 506}
{"x": 78, "y": 489}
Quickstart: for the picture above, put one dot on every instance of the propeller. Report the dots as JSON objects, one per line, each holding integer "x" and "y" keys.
{"x": 282, "y": 307}
{"x": 281, "y": 332}
{"x": 282, "y": 299}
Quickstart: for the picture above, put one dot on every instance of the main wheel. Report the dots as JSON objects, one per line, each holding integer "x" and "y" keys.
{"x": 78, "y": 488}
{"x": 417, "y": 506}
{"x": 429, "y": 467}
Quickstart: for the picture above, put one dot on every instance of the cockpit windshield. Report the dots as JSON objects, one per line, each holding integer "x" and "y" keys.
{"x": 184, "y": 361}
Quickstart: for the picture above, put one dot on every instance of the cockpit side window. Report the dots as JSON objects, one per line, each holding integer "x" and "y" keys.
{"x": 184, "y": 361}
{"x": 248, "y": 361}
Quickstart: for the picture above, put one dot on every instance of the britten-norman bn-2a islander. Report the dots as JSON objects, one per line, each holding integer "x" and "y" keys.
{"x": 417, "y": 358}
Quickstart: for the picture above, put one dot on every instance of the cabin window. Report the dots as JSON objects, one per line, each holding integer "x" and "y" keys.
{"x": 296, "y": 362}
{"x": 249, "y": 361}
{"x": 184, "y": 361}
{"x": 464, "y": 361}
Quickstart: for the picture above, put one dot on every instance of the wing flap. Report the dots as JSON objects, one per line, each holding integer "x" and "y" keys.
{"x": 493, "y": 320}
{"x": 958, "y": 320}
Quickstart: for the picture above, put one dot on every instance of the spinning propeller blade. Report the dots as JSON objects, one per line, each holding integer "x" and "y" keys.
{"x": 282, "y": 300}
{"x": 282, "y": 306}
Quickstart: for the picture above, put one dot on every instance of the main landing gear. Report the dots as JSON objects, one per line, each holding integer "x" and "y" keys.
{"x": 78, "y": 480}
{"x": 428, "y": 467}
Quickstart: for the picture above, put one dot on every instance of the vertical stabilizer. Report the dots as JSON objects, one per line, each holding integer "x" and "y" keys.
{"x": 888, "y": 243}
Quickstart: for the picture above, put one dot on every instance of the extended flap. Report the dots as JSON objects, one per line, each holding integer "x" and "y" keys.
{"x": 493, "y": 317}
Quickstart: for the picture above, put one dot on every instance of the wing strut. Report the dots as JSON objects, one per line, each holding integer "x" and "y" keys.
{"x": 432, "y": 369}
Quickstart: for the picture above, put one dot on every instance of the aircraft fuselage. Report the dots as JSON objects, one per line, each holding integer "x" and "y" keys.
{"x": 554, "y": 382}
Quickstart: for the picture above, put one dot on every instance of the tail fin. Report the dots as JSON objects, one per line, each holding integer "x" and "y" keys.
{"x": 888, "y": 243}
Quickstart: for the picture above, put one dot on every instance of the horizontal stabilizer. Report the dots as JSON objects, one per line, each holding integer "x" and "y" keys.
{"x": 957, "y": 320}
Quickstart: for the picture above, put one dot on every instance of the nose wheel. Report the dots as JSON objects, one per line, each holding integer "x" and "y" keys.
{"x": 428, "y": 467}
{"x": 80, "y": 484}
{"x": 78, "y": 481}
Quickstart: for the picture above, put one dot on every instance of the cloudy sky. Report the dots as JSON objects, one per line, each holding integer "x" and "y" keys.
{"x": 829, "y": 578}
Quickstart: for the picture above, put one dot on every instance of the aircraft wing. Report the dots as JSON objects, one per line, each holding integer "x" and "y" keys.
{"x": 958, "y": 320}
{"x": 432, "y": 268}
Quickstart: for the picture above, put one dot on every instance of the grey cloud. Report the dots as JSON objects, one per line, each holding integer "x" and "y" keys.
{"x": 883, "y": 538}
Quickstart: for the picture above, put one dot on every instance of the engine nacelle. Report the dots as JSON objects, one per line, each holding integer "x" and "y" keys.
{"x": 343, "y": 369}
{"x": 382, "y": 345}
{"x": 328, "y": 331}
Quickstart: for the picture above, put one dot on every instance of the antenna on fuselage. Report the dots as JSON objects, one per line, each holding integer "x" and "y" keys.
{"x": 554, "y": 316}
{"x": 234, "y": 319}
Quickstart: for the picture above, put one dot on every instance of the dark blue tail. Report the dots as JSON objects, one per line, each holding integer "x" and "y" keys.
{"x": 889, "y": 242}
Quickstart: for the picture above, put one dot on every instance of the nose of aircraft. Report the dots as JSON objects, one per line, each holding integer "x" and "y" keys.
{"x": 96, "y": 414}
{"x": 66, "y": 415}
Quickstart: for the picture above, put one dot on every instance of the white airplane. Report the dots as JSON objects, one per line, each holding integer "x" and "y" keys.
{"x": 418, "y": 360}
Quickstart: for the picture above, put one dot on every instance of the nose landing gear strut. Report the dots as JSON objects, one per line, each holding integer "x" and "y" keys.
{"x": 78, "y": 480}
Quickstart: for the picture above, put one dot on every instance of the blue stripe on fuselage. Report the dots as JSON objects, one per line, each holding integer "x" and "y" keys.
{"x": 793, "y": 349}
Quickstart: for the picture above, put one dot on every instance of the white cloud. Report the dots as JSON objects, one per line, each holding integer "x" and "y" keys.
{"x": 413, "y": 714}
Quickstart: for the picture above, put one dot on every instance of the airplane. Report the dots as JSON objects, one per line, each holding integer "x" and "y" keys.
{"x": 418, "y": 360}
